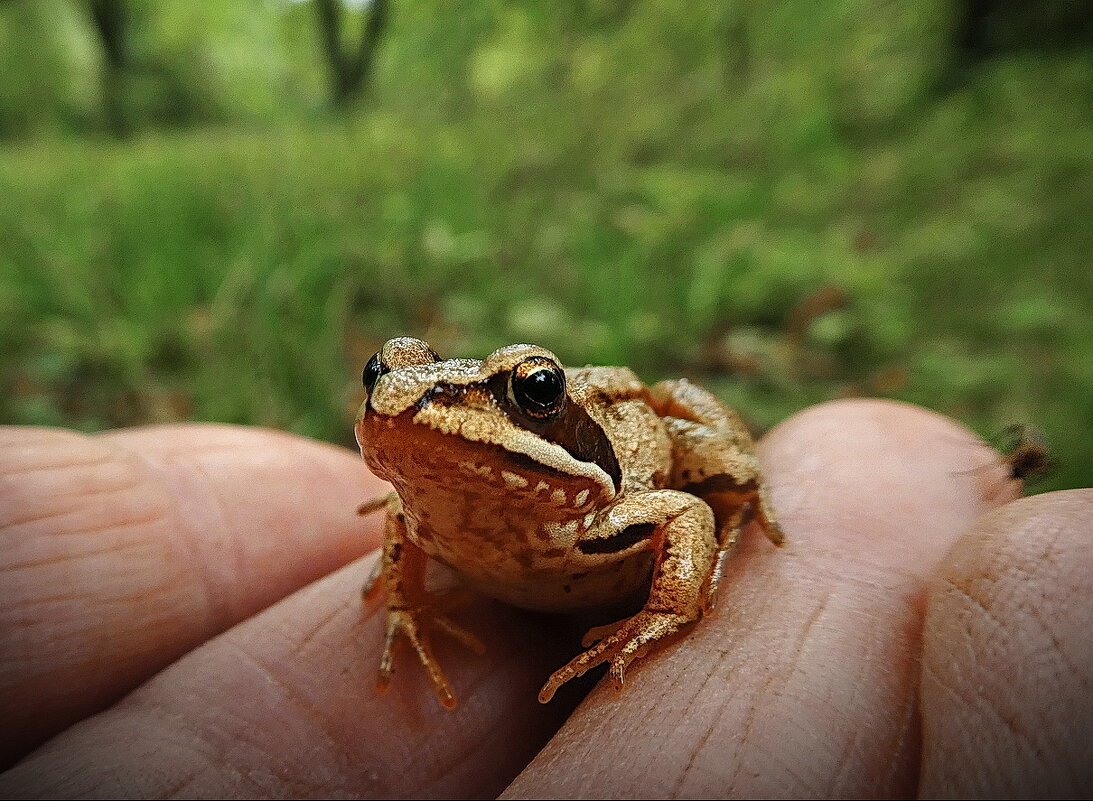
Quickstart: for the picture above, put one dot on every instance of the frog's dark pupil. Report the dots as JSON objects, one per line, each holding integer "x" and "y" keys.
{"x": 543, "y": 386}
{"x": 539, "y": 392}
{"x": 372, "y": 372}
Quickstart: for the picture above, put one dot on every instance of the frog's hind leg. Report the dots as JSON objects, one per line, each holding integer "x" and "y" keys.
{"x": 764, "y": 513}
{"x": 713, "y": 457}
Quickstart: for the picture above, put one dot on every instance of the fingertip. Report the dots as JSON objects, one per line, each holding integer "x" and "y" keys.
{"x": 896, "y": 479}
{"x": 158, "y": 538}
{"x": 1007, "y": 655}
{"x": 261, "y": 512}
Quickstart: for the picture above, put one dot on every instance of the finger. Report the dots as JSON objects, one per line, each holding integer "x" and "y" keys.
{"x": 1008, "y": 660}
{"x": 283, "y": 704}
{"x": 122, "y": 551}
{"x": 803, "y": 680}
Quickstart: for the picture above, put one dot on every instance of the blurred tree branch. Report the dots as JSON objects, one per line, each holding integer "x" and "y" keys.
{"x": 349, "y": 68}
{"x": 111, "y": 22}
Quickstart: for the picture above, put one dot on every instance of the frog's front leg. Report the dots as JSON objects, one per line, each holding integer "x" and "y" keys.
{"x": 411, "y": 610}
{"x": 680, "y": 529}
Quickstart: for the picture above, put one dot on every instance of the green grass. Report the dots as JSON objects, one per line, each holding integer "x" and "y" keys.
{"x": 245, "y": 276}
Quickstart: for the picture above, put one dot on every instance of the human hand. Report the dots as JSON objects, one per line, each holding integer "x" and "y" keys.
{"x": 169, "y": 620}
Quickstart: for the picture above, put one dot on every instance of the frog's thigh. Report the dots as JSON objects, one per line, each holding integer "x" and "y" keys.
{"x": 712, "y": 457}
{"x": 711, "y": 447}
{"x": 680, "y": 398}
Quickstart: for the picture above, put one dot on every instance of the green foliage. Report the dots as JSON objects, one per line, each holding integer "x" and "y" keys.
{"x": 48, "y": 68}
{"x": 648, "y": 184}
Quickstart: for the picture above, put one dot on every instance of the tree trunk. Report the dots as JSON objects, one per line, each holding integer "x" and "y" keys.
{"x": 111, "y": 21}
{"x": 349, "y": 71}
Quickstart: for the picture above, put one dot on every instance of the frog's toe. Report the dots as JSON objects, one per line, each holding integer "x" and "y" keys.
{"x": 460, "y": 634}
{"x": 415, "y": 626}
{"x": 597, "y": 633}
{"x": 630, "y": 640}
{"x": 450, "y": 600}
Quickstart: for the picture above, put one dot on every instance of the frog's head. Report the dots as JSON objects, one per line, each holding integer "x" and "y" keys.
{"x": 506, "y": 421}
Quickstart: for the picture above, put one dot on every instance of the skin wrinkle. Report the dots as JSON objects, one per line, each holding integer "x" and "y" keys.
{"x": 973, "y": 699}
{"x": 113, "y": 476}
{"x": 764, "y": 690}
{"x": 191, "y": 544}
{"x": 436, "y": 784}
{"x": 81, "y": 506}
{"x": 50, "y": 514}
{"x": 852, "y": 744}
{"x": 90, "y": 775}
{"x": 299, "y": 648}
{"x": 905, "y": 715}
{"x": 808, "y": 632}
{"x": 979, "y": 603}
{"x": 64, "y": 466}
{"x": 178, "y": 788}
{"x": 684, "y": 714}
{"x": 798, "y": 785}
{"x": 969, "y": 702}
{"x": 1001, "y": 628}
{"x": 216, "y": 597}
{"x": 698, "y": 748}
{"x": 61, "y": 558}
{"x": 210, "y": 769}
{"x": 240, "y": 729}
{"x": 888, "y": 577}
{"x": 718, "y": 669}
{"x": 1044, "y": 656}
{"x": 189, "y": 480}
{"x": 153, "y": 517}
{"x": 1056, "y": 648}
{"x": 810, "y": 623}
{"x": 907, "y": 741}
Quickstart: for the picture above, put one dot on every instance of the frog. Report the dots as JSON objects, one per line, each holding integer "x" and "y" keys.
{"x": 551, "y": 489}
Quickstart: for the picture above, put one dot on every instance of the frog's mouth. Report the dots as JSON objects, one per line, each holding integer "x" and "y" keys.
{"x": 573, "y": 445}
{"x": 406, "y": 442}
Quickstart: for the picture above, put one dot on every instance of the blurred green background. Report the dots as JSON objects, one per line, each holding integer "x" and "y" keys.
{"x": 218, "y": 210}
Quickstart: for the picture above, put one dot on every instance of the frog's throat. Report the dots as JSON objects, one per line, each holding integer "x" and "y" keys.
{"x": 476, "y": 428}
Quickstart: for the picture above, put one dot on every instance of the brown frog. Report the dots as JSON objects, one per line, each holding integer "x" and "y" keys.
{"x": 551, "y": 489}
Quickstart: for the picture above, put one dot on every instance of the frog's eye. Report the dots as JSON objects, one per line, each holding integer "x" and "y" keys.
{"x": 537, "y": 386}
{"x": 372, "y": 372}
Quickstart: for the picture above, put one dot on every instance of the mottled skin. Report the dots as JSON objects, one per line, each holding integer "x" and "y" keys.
{"x": 552, "y": 493}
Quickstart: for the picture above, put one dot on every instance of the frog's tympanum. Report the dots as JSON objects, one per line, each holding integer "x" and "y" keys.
{"x": 552, "y": 489}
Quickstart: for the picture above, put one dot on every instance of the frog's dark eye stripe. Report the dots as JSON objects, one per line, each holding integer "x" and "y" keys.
{"x": 372, "y": 372}
{"x": 537, "y": 386}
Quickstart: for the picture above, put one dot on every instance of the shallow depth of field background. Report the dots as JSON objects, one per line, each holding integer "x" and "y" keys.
{"x": 787, "y": 201}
